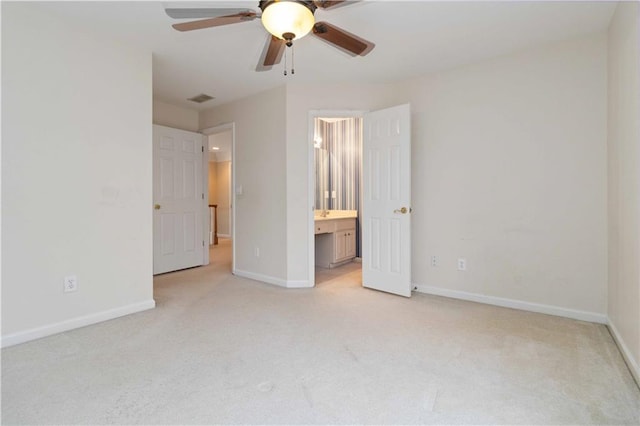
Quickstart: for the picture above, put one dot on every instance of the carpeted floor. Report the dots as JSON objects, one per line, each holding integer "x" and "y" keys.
{"x": 221, "y": 349}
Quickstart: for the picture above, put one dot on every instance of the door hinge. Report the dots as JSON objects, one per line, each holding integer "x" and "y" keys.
{"x": 202, "y": 148}
{"x": 202, "y": 243}
{"x": 203, "y": 195}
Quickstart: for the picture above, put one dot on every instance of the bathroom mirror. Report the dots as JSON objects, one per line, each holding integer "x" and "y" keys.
{"x": 322, "y": 179}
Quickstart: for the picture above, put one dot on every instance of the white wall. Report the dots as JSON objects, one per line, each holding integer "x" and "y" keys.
{"x": 509, "y": 172}
{"x": 76, "y": 176}
{"x": 624, "y": 182}
{"x": 166, "y": 114}
{"x": 260, "y": 168}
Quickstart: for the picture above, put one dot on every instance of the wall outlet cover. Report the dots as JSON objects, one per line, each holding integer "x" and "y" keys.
{"x": 70, "y": 283}
{"x": 462, "y": 264}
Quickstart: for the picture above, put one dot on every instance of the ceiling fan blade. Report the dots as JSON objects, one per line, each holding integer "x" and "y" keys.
{"x": 342, "y": 39}
{"x": 215, "y": 22}
{"x": 186, "y": 13}
{"x": 272, "y": 53}
{"x": 331, "y": 4}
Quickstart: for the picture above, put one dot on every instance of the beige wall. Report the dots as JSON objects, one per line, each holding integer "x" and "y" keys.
{"x": 213, "y": 187}
{"x": 509, "y": 172}
{"x": 223, "y": 182}
{"x": 166, "y": 114}
{"x": 219, "y": 193}
{"x": 76, "y": 176}
{"x": 260, "y": 168}
{"x": 624, "y": 182}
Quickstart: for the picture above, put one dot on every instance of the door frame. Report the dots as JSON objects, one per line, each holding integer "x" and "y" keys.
{"x": 221, "y": 128}
{"x": 313, "y": 114}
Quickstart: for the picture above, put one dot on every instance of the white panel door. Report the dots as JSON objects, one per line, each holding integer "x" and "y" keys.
{"x": 386, "y": 210}
{"x": 179, "y": 199}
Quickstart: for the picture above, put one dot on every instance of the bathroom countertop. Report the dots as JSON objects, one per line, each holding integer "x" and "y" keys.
{"x": 335, "y": 214}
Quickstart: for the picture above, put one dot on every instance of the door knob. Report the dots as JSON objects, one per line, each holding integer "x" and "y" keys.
{"x": 156, "y": 206}
{"x": 403, "y": 210}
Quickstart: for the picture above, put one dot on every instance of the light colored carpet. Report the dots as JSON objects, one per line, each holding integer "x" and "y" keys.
{"x": 221, "y": 349}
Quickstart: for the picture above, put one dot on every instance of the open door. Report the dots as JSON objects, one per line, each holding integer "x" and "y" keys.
{"x": 386, "y": 210}
{"x": 178, "y": 198}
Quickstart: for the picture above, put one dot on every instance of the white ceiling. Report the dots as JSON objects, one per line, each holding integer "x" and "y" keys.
{"x": 412, "y": 38}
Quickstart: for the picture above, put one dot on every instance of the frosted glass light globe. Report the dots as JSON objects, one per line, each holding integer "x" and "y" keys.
{"x": 288, "y": 17}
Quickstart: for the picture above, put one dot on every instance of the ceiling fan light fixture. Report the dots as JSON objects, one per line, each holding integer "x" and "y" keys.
{"x": 281, "y": 17}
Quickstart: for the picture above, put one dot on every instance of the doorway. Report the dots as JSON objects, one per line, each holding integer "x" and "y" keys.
{"x": 336, "y": 182}
{"x": 219, "y": 181}
{"x": 385, "y": 202}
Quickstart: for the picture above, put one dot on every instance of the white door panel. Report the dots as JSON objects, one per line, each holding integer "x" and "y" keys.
{"x": 386, "y": 240}
{"x": 178, "y": 198}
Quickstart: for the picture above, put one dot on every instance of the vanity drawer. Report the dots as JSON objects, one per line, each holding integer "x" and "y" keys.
{"x": 324, "y": 227}
{"x": 343, "y": 224}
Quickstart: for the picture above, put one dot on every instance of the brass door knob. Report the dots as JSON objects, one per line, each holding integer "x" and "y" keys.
{"x": 156, "y": 206}
{"x": 403, "y": 210}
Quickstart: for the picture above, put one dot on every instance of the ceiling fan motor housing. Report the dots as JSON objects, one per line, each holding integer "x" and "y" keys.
{"x": 308, "y": 4}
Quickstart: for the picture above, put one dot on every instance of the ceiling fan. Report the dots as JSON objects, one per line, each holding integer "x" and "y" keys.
{"x": 285, "y": 20}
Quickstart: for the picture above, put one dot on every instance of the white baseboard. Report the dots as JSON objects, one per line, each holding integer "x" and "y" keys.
{"x": 298, "y": 284}
{"x": 70, "y": 324}
{"x": 626, "y": 353}
{"x": 224, "y": 236}
{"x": 272, "y": 280}
{"x": 514, "y": 304}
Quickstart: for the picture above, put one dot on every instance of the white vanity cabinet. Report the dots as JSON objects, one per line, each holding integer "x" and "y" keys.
{"x": 335, "y": 241}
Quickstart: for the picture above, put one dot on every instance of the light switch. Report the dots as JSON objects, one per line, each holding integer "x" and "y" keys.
{"x": 239, "y": 190}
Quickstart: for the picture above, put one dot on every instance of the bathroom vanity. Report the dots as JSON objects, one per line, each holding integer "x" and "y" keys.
{"x": 335, "y": 235}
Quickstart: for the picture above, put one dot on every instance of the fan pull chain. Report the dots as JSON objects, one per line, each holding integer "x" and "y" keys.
{"x": 285, "y": 61}
{"x": 293, "y": 71}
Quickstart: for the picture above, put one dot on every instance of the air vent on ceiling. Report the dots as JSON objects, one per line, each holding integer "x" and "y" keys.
{"x": 201, "y": 98}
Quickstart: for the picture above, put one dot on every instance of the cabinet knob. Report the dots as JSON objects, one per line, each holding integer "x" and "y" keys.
{"x": 156, "y": 206}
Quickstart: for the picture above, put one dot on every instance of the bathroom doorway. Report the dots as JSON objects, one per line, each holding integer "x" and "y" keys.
{"x": 337, "y": 139}
{"x": 383, "y": 230}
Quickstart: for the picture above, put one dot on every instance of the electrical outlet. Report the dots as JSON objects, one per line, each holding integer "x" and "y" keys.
{"x": 434, "y": 261}
{"x": 256, "y": 251}
{"x": 462, "y": 264}
{"x": 70, "y": 283}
